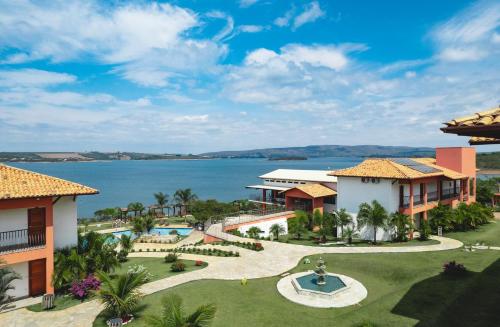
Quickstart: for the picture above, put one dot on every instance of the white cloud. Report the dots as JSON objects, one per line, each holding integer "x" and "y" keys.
{"x": 469, "y": 35}
{"x": 247, "y": 3}
{"x": 33, "y": 77}
{"x": 311, "y": 13}
{"x": 462, "y": 54}
{"x": 251, "y": 28}
{"x": 410, "y": 74}
{"x": 124, "y": 35}
{"x": 285, "y": 19}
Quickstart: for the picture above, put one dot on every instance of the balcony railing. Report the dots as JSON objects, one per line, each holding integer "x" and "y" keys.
{"x": 448, "y": 194}
{"x": 259, "y": 198}
{"x": 418, "y": 200}
{"x": 432, "y": 196}
{"x": 21, "y": 239}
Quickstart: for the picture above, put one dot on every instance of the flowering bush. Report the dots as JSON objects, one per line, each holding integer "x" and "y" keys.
{"x": 453, "y": 268}
{"x": 258, "y": 247}
{"x": 178, "y": 266}
{"x": 80, "y": 289}
{"x": 198, "y": 263}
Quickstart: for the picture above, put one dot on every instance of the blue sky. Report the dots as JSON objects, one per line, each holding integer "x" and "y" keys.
{"x": 196, "y": 76}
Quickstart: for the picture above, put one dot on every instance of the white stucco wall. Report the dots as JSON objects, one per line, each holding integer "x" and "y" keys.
{"x": 13, "y": 219}
{"x": 352, "y": 192}
{"x": 21, "y": 286}
{"x": 265, "y": 226}
{"x": 65, "y": 222}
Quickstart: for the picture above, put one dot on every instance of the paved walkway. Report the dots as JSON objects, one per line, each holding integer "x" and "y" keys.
{"x": 276, "y": 259}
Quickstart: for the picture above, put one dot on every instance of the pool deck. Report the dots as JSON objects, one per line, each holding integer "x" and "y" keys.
{"x": 122, "y": 229}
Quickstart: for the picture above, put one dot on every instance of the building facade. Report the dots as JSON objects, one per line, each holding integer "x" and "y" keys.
{"x": 38, "y": 214}
{"x": 412, "y": 186}
{"x": 305, "y": 190}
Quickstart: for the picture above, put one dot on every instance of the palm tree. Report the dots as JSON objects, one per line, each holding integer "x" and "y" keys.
{"x": 277, "y": 229}
{"x": 401, "y": 224}
{"x": 126, "y": 242}
{"x": 173, "y": 314}
{"x": 297, "y": 225}
{"x": 254, "y": 232}
{"x": 121, "y": 295}
{"x": 184, "y": 197}
{"x": 136, "y": 207}
{"x": 148, "y": 223}
{"x": 161, "y": 200}
{"x": 342, "y": 218}
{"x": 7, "y": 276}
{"x": 68, "y": 267}
{"x": 138, "y": 225}
{"x": 374, "y": 216}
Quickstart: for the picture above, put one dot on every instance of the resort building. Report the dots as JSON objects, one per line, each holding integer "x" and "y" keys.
{"x": 411, "y": 186}
{"x": 38, "y": 213}
{"x": 306, "y": 190}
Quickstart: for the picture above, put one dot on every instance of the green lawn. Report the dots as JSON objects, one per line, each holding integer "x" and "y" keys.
{"x": 356, "y": 242}
{"x": 403, "y": 290}
{"x": 156, "y": 267}
{"x": 489, "y": 234}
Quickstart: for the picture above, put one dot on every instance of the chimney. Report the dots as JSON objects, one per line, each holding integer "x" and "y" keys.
{"x": 460, "y": 159}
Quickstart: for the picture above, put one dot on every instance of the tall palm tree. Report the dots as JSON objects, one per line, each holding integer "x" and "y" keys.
{"x": 184, "y": 197}
{"x": 136, "y": 207}
{"x": 173, "y": 314}
{"x": 149, "y": 223}
{"x": 401, "y": 225}
{"x": 121, "y": 295}
{"x": 161, "y": 200}
{"x": 277, "y": 229}
{"x": 7, "y": 276}
{"x": 126, "y": 242}
{"x": 343, "y": 218}
{"x": 138, "y": 225}
{"x": 374, "y": 216}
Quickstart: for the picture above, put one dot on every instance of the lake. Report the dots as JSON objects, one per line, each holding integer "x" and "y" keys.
{"x": 122, "y": 182}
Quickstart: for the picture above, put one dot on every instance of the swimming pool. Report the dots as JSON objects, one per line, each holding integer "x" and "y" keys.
{"x": 157, "y": 231}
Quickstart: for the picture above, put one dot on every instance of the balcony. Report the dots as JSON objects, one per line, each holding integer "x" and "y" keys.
{"x": 258, "y": 198}
{"x": 21, "y": 240}
{"x": 432, "y": 196}
{"x": 448, "y": 194}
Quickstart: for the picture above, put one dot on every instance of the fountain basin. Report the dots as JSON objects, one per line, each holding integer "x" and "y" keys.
{"x": 309, "y": 283}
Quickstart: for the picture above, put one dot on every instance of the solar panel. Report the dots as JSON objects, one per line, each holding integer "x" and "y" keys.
{"x": 410, "y": 163}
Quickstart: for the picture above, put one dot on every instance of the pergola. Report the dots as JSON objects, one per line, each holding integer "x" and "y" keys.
{"x": 483, "y": 127}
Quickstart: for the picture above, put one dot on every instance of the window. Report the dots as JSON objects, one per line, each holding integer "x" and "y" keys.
{"x": 365, "y": 180}
{"x": 330, "y": 199}
{"x": 375, "y": 180}
{"x": 471, "y": 186}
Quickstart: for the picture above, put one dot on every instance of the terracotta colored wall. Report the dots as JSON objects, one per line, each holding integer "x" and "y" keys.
{"x": 461, "y": 159}
{"x": 48, "y": 251}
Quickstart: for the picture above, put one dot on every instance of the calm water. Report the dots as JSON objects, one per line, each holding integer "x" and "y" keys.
{"x": 122, "y": 182}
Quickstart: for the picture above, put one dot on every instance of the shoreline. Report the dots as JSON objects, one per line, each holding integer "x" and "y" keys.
{"x": 489, "y": 171}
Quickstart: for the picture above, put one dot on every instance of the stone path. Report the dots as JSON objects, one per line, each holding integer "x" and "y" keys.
{"x": 276, "y": 259}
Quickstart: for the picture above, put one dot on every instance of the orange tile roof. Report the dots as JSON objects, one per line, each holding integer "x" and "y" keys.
{"x": 18, "y": 183}
{"x": 316, "y": 190}
{"x": 387, "y": 168}
{"x": 488, "y": 117}
{"x": 483, "y": 140}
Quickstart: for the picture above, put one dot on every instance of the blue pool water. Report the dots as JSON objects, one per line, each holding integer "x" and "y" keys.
{"x": 157, "y": 231}
{"x": 308, "y": 282}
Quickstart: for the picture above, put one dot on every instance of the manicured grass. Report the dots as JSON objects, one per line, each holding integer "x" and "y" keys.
{"x": 156, "y": 267}
{"x": 489, "y": 234}
{"x": 355, "y": 242}
{"x": 404, "y": 289}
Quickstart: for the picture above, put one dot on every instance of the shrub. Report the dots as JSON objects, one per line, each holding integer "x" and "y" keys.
{"x": 258, "y": 247}
{"x": 122, "y": 255}
{"x": 171, "y": 257}
{"x": 424, "y": 230}
{"x": 453, "y": 269}
{"x": 178, "y": 266}
{"x": 198, "y": 263}
{"x": 80, "y": 289}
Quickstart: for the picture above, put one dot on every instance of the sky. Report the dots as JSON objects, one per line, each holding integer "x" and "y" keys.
{"x": 206, "y": 75}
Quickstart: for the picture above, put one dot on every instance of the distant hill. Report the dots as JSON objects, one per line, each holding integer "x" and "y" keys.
{"x": 316, "y": 151}
{"x": 88, "y": 156}
{"x": 490, "y": 160}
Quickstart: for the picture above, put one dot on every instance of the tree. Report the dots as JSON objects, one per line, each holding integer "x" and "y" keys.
{"x": 7, "y": 276}
{"x": 485, "y": 188}
{"x": 254, "y": 232}
{"x": 424, "y": 230}
{"x": 173, "y": 315}
{"x": 441, "y": 215}
{"x": 126, "y": 242}
{"x": 161, "y": 200}
{"x": 401, "y": 226}
{"x": 148, "y": 223}
{"x": 342, "y": 218}
{"x": 297, "y": 225}
{"x": 184, "y": 197}
{"x": 136, "y": 207}
{"x": 277, "y": 229}
{"x": 121, "y": 295}
{"x": 320, "y": 220}
{"x": 374, "y": 216}
{"x": 138, "y": 225}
